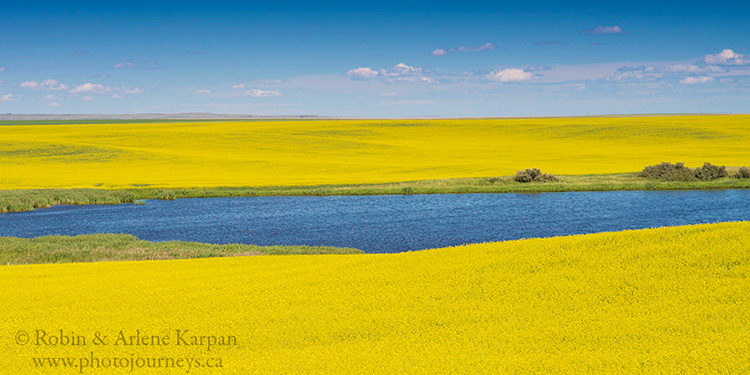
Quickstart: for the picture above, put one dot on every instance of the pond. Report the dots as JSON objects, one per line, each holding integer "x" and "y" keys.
{"x": 385, "y": 223}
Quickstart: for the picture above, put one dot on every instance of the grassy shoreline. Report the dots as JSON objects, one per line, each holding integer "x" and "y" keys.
{"x": 29, "y": 199}
{"x": 105, "y": 247}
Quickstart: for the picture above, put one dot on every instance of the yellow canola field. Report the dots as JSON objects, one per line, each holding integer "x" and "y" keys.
{"x": 668, "y": 300}
{"x": 314, "y": 152}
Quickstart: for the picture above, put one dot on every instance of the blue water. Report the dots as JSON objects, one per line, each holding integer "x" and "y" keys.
{"x": 385, "y": 223}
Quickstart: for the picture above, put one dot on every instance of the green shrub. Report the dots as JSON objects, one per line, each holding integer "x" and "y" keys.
{"x": 668, "y": 172}
{"x": 679, "y": 172}
{"x": 709, "y": 172}
{"x": 533, "y": 175}
{"x": 743, "y": 172}
{"x": 522, "y": 176}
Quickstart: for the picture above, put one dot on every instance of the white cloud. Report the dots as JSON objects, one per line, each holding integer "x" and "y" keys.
{"x": 2, "y": 69}
{"x": 654, "y": 72}
{"x": 726, "y": 57}
{"x": 203, "y": 91}
{"x": 239, "y": 86}
{"x": 54, "y": 104}
{"x": 89, "y": 87}
{"x": 405, "y": 73}
{"x": 88, "y": 97}
{"x": 636, "y": 73}
{"x": 258, "y": 93}
{"x": 8, "y": 98}
{"x": 388, "y": 94}
{"x": 49, "y": 97}
{"x": 510, "y": 75}
{"x": 694, "y": 80}
{"x": 484, "y": 47}
{"x": 362, "y": 73}
{"x": 116, "y": 96}
{"x": 683, "y": 68}
{"x": 49, "y": 84}
{"x": 133, "y": 91}
{"x": 401, "y": 69}
{"x": 143, "y": 65}
{"x": 400, "y": 72}
{"x": 603, "y": 30}
{"x": 687, "y": 73}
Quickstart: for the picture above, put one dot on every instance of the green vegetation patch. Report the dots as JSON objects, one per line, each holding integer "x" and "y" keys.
{"x": 743, "y": 172}
{"x": 27, "y": 200}
{"x": 115, "y": 247}
{"x": 533, "y": 175}
{"x": 679, "y": 172}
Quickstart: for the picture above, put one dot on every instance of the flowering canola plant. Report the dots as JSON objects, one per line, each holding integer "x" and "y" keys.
{"x": 317, "y": 152}
{"x": 666, "y": 300}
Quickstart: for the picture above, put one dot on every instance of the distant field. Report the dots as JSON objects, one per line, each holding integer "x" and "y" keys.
{"x": 668, "y": 300}
{"x": 335, "y": 152}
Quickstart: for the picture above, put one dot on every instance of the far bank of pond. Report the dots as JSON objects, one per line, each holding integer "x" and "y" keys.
{"x": 29, "y": 199}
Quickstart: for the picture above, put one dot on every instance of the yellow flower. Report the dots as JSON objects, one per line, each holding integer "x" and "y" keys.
{"x": 314, "y": 152}
{"x": 667, "y": 300}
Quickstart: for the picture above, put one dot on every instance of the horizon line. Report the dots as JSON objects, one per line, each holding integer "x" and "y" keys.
{"x": 233, "y": 116}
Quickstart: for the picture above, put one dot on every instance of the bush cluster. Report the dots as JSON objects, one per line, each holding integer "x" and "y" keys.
{"x": 710, "y": 172}
{"x": 533, "y": 175}
{"x": 679, "y": 172}
{"x": 743, "y": 172}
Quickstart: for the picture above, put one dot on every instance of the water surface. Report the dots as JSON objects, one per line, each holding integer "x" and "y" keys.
{"x": 385, "y": 223}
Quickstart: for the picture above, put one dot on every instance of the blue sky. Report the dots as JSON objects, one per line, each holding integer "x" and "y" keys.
{"x": 381, "y": 59}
